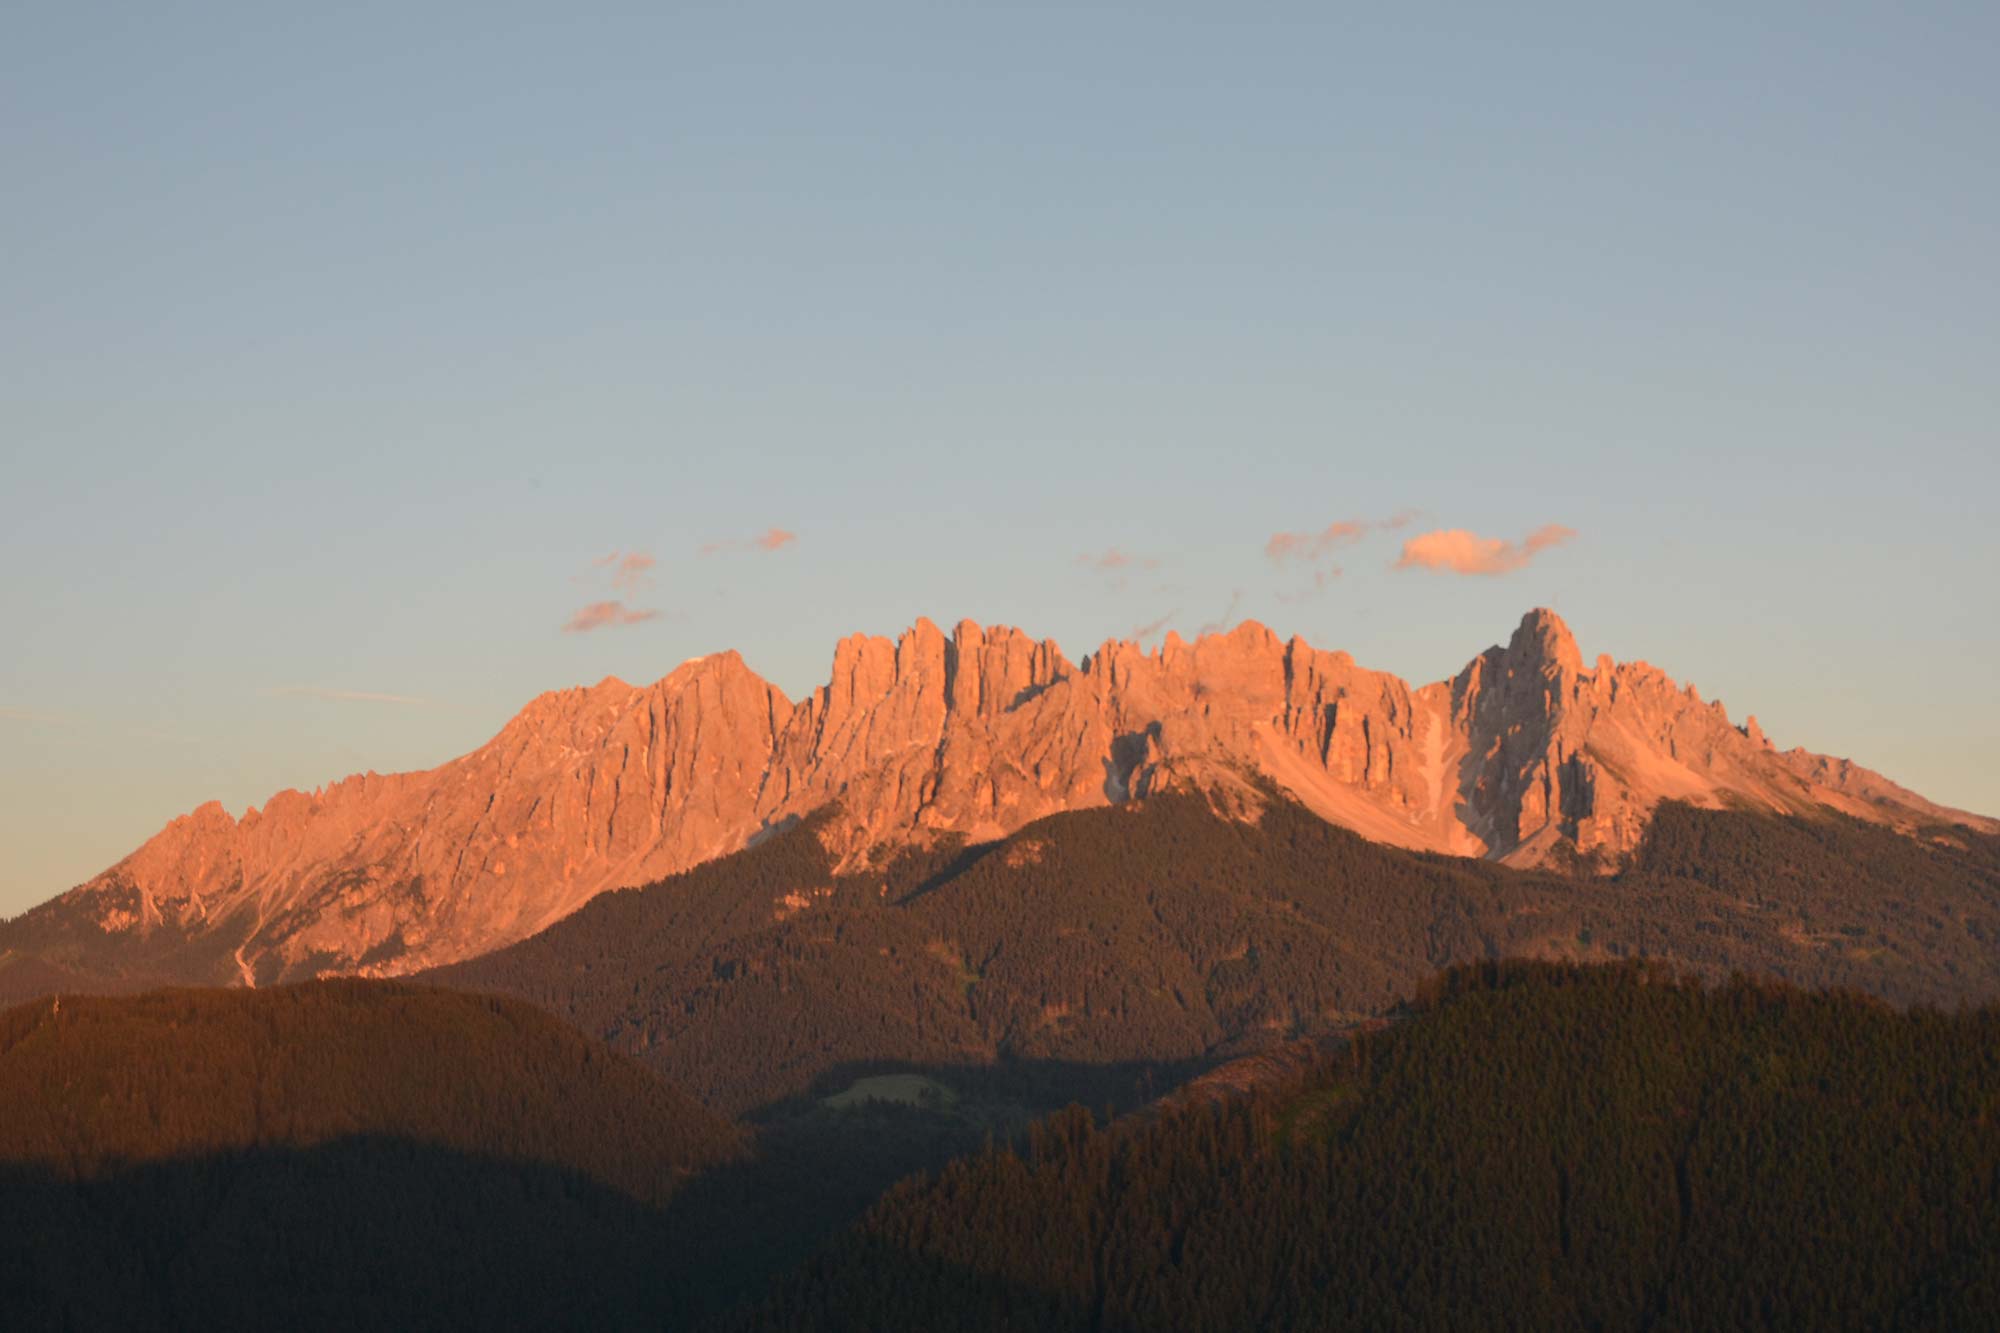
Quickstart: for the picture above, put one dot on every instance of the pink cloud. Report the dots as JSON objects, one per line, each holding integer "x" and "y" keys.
{"x": 1151, "y": 628}
{"x": 1285, "y": 546}
{"x": 771, "y": 539}
{"x": 631, "y": 572}
{"x": 1115, "y": 559}
{"x": 600, "y": 615}
{"x": 1311, "y": 545}
{"x": 1549, "y": 534}
{"x": 1456, "y": 551}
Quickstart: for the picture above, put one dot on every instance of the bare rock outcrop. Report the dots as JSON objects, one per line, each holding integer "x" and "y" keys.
{"x": 1525, "y": 755}
{"x": 584, "y": 790}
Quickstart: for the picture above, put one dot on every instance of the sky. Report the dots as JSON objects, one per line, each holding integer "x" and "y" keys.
{"x": 366, "y": 370}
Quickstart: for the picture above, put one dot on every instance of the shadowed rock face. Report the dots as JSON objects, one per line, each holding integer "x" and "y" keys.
{"x": 1522, "y": 756}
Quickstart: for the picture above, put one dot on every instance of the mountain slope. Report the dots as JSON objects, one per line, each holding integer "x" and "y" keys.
{"x": 1524, "y": 756}
{"x": 1152, "y": 937}
{"x": 348, "y": 1154}
{"x": 96, "y": 1081}
{"x": 1539, "y": 1148}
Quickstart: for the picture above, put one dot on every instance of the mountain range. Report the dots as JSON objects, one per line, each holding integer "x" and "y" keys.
{"x": 1526, "y": 756}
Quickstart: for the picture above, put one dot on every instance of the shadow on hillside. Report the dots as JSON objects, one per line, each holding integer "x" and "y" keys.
{"x": 916, "y": 874}
{"x": 817, "y": 1168}
{"x": 899, "y": 1289}
{"x": 381, "y": 1233}
{"x": 368, "y": 1232}
{"x": 384, "y": 1232}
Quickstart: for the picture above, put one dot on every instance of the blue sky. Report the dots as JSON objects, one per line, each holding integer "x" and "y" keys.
{"x": 337, "y": 346}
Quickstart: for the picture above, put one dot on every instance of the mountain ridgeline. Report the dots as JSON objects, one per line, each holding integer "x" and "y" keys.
{"x": 1525, "y": 756}
{"x": 335, "y": 1155}
{"x": 1537, "y": 1146}
{"x": 1151, "y": 938}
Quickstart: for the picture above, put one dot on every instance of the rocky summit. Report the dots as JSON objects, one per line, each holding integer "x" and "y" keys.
{"x": 1525, "y": 756}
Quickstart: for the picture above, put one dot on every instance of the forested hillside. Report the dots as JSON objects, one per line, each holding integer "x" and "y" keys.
{"x": 1134, "y": 941}
{"x": 263, "y": 1158}
{"x": 1537, "y": 1146}
{"x": 335, "y": 1154}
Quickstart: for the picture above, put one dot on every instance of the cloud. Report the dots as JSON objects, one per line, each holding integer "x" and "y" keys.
{"x": 1456, "y": 551}
{"x": 1151, "y": 628}
{"x": 1322, "y": 579}
{"x": 771, "y": 539}
{"x": 1285, "y": 546}
{"x": 1221, "y": 622}
{"x": 602, "y": 615}
{"x": 1547, "y": 535}
{"x": 1114, "y": 559}
{"x": 630, "y": 573}
{"x": 340, "y": 696}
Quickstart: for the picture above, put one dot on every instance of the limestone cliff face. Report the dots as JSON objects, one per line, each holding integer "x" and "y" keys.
{"x": 1525, "y": 755}
{"x": 584, "y": 790}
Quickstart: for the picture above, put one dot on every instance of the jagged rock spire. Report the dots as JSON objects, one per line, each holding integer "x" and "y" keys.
{"x": 1520, "y": 754}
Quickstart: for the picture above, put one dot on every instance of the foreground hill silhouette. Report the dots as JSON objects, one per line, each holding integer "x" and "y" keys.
{"x": 1528, "y": 1145}
{"x": 337, "y": 1154}
{"x": 1525, "y": 755}
{"x": 1142, "y": 940}
{"x": 1536, "y": 1147}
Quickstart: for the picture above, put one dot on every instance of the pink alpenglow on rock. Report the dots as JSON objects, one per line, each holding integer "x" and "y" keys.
{"x": 1523, "y": 756}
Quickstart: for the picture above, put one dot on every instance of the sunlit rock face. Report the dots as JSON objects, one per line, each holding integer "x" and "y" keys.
{"x": 1526, "y": 756}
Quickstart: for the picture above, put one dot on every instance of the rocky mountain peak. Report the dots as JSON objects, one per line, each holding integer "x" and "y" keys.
{"x": 1521, "y": 756}
{"x": 1543, "y": 642}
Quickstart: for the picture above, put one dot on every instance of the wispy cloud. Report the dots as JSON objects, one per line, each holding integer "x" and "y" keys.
{"x": 630, "y": 570}
{"x": 1122, "y": 570}
{"x": 605, "y": 615}
{"x": 1309, "y": 546}
{"x": 1322, "y": 580}
{"x": 1456, "y": 551}
{"x": 1150, "y": 628}
{"x": 340, "y": 696}
{"x": 1115, "y": 560}
{"x": 771, "y": 539}
{"x": 1222, "y": 622}
{"x": 13, "y": 714}
{"x": 1285, "y": 546}
{"x": 630, "y": 573}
